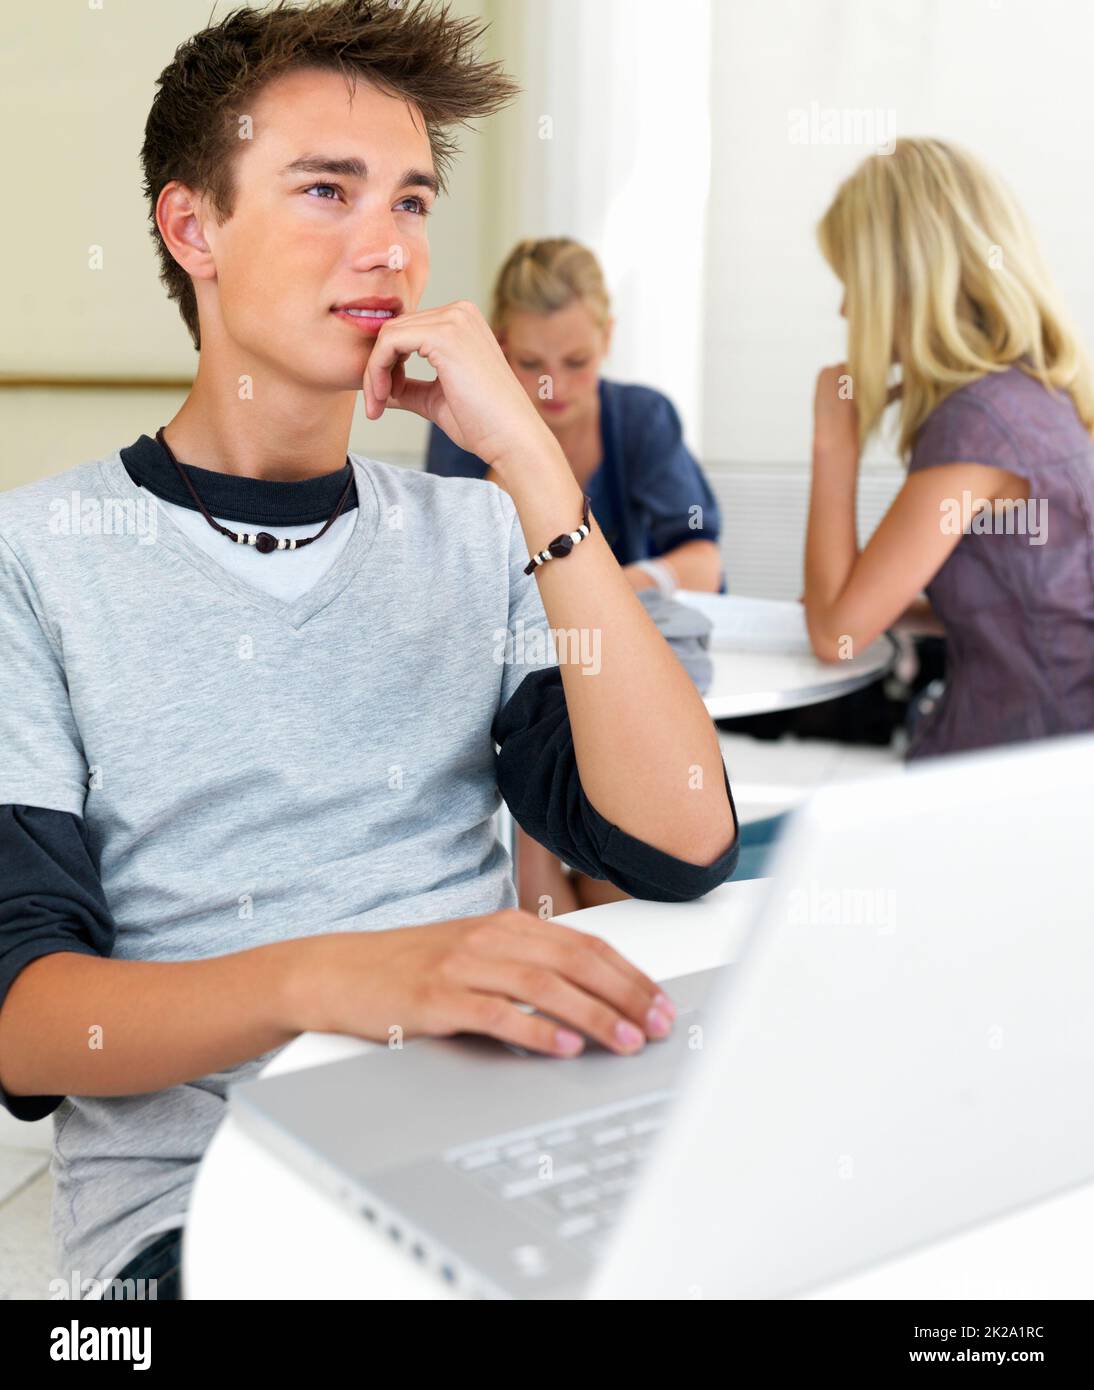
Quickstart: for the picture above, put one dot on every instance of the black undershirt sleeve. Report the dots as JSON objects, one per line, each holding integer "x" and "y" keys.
{"x": 538, "y": 778}
{"x": 51, "y": 899}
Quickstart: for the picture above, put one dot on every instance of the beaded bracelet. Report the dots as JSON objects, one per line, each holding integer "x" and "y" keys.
{"x": 561, "y": 545}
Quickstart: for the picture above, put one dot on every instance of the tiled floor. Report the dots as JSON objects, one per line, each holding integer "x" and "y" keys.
{"x": 767, "y": 777}
{"x": 26, "y": 1251}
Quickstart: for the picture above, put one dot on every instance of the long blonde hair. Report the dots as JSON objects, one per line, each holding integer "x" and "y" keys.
{"x": 942, "y": 274}
{"x": 541, "y": 276}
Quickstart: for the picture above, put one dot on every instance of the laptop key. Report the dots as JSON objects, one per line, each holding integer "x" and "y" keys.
{"x": 650, "y": 1125}
{"x": 478, "y": 1160}
{"x": 539, "y": 1157}
{"x": 578, "y": 1226}
{"x": 611, "y": 1136}
{"x": 526, "y": 1185}
{"x": 614, "y": 1159}
{"x": 578, "y": 1197}
{"x": 559, "y": 1137}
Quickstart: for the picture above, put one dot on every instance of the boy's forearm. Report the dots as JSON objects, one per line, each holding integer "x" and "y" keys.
{"x": 74, "y": 1024}
{"x": 637, "y": 709}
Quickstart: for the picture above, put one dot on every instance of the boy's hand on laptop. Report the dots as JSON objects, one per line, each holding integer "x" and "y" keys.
{"x": 470, "y": 975}
{"x": 476, "y": 399}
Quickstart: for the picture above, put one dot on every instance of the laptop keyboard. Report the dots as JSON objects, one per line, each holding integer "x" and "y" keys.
{"x": 572, "y": 1177}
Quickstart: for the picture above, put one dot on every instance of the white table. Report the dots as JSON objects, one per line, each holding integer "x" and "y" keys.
{"x": 759, "y": 682}
{"x": 258, "y": 1230}
{"x": 763, "y": 660}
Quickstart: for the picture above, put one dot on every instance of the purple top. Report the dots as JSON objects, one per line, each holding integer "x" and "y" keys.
{"x": 1018, "y": 608}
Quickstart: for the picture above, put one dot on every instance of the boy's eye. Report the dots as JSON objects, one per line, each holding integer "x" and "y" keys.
{"x": 420, "y": 210}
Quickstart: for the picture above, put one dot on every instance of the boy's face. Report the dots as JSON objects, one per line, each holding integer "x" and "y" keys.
{"x": 303, "y": 241}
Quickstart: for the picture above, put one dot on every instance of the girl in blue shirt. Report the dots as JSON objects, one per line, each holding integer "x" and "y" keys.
{"x": 552, "y": 316}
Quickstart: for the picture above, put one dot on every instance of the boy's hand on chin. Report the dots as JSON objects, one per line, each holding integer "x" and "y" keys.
{"x": 476, "y": 400}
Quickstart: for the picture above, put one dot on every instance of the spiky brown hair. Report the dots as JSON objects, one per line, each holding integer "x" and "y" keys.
{"x": 413, "y": 50}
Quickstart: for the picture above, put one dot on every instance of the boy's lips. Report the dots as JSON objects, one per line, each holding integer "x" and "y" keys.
{"x": 368, "y": 315}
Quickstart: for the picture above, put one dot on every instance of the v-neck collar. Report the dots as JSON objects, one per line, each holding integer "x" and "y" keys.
{"x": 295, "y": 614}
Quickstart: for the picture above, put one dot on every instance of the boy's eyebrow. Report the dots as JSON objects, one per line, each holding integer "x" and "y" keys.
{"x": 356, "y": 169}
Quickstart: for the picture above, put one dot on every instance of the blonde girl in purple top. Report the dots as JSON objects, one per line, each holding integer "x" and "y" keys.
{"x": 995, "y": 520}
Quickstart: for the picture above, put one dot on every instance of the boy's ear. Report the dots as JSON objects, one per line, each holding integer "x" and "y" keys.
{"x": 608, "y": 334}
{"x": 178, "y": 213}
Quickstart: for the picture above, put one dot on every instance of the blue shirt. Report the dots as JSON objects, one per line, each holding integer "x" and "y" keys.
{"x": 648, "y": 483}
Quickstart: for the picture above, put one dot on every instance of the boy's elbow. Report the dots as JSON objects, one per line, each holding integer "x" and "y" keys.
{"x": 711, "y": 852}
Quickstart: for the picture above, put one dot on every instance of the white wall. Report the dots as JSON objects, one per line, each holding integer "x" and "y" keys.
{"x": 1010, "y": 79}
{"x": 610, "y": 144}
{"x": 722, "y": 301}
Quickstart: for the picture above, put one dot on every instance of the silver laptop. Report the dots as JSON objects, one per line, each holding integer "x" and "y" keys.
{"x": 903, "y": 1049}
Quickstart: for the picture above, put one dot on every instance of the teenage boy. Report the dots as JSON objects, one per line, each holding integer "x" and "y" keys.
{"x": 248, "y": 771}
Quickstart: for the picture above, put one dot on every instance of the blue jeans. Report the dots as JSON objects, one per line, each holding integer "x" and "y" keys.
{"x": 162, "y": 1261}
{"x": 757, "y": 841}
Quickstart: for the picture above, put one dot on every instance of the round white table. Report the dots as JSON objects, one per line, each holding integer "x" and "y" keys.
{"x": 257, "y": 1230}
{"x": 763, "y": 660}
